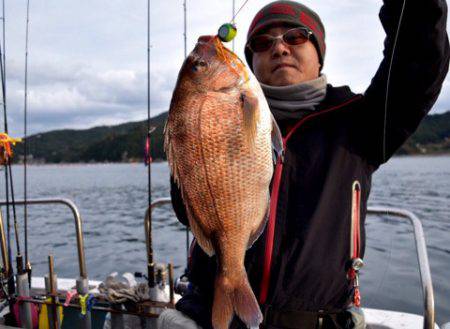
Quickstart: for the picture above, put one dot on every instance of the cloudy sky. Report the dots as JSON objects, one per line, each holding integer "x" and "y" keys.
{"x": 87, "y": 59}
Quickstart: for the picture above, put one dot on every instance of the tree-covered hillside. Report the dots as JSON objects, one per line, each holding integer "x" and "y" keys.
{"x": 125, "y": 142}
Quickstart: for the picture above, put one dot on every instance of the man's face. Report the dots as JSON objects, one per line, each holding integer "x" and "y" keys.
{"x": 283, "y": 64}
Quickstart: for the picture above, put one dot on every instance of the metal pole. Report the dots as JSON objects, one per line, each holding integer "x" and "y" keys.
{"x": 82, "y": 285}
{"x": 422, "y": 257}
{"x": 78, "y": 226}
{"x": 171, "y": 290}
{"x": 53, "y": 309}
{"x": 23, "y": 291}
{"x": 148, "y": 226}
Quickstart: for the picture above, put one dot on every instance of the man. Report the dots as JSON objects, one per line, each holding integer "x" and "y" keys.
{"x": 334, "y": 141}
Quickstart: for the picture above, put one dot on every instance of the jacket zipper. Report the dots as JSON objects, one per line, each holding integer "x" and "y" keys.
{"x": 355, "y": 242}
{"x": 265, "y": 281}
{"x": 355, "y": 246}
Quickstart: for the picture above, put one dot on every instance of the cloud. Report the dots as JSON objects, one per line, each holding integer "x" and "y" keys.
{"x": 80, "y": 96}
{"x": 87, "y": 61}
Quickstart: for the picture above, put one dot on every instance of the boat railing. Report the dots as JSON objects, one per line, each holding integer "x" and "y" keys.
{"x": 76, "y": 216}
{"x": 421, "y": 248}
{"x": 422, "y": 257}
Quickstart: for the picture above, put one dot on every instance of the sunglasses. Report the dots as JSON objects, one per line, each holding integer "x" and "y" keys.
{"x": 292, "y": 37}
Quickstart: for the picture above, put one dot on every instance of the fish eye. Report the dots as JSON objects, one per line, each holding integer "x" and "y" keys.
{"x": 199, "y": 65}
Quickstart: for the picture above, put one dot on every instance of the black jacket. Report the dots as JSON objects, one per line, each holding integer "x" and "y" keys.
{"x": 345, "y": 140}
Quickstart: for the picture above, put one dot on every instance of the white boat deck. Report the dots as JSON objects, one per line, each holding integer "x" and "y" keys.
{"x": 375, "y": 318}
{"x": 384, "y": 319}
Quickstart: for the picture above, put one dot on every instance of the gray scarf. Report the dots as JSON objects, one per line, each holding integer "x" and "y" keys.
{"x": 294, "y": 101}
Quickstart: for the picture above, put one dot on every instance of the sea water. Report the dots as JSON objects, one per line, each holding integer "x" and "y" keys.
{"x": 112, "y": 200}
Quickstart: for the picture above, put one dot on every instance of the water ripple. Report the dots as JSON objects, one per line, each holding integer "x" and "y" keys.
{"x": 112, "y": 201}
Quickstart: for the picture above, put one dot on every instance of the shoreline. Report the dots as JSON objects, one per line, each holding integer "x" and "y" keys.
{"x": 416, "y": 155}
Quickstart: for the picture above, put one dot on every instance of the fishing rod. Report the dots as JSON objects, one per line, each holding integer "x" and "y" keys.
{"x": 9, "y": 275}
{"x": 6, "y": 158}
{"x": 239, "y": 10}
{"x": 150, "y": 265}
{"x": 233, "y": 13}
{"x": 25, "y": 146}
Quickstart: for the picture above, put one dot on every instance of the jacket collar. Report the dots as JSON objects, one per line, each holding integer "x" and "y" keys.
{"x": 335, "y": 96}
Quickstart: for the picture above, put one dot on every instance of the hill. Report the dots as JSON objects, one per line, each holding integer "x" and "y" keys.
{"x": 120, "y": 143}
{"x": 125, "y": 142}
{"x": 432, "y": 136}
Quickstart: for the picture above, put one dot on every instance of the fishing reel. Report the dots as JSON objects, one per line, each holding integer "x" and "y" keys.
{"x": 6, "y": 143}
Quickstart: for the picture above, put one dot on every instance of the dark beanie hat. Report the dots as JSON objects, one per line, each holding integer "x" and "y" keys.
{"x": 290, "y": 13}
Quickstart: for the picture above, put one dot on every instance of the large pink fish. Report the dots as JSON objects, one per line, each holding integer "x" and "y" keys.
{"x": 218, "y": 141}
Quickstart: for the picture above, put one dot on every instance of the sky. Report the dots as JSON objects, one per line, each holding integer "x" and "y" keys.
{"x": 87, "y": 63}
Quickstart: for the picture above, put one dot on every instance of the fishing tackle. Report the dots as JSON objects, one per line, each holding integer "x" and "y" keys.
{"x": 91, "y": 301}
{"x": 147, "y": 152}
{"x": 6, "y": 152}
{"x": 69, "y": 296}
{"x": 227, "y": 32}
{"x": 83, "y": 303}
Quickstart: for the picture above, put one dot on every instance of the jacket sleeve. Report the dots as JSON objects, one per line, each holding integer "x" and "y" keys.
{"x": 402, "y": 93}
{"x": 177, "y": 203}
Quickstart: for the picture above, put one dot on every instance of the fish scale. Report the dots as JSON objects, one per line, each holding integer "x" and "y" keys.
{"x": 218, "y": 141}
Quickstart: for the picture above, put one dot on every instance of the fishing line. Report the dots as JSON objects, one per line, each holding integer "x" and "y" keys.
{"x": 234, "y": 16}
{"x": 389, "y": 78}
{"x": 385, "y": 119}
{"x": 383, "y": 276}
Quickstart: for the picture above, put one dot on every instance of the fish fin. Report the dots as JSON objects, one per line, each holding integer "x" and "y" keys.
{"x": 234, "y": 297}
{"x": 168, "y": 148}
{"x": 250, "y": 107}
{"x": 203, "y": 241}
{"x": 222, "y": 311}
{"x": 198, "y": 232}
{"x": 257, "y": 231}
{"x": 277, "y": 139}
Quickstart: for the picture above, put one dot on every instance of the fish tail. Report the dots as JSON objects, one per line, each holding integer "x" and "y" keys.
{"x": 235, "y": 296}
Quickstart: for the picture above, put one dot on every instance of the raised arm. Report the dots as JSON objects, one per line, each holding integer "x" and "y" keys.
{"x": 410, "y": 76}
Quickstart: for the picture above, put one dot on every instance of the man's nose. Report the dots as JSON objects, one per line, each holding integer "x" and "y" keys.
{"x": 280, "y": 48}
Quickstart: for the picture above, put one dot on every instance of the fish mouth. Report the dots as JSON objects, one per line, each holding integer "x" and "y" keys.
{"x": 209, "y": 49}
{"x": 205, "y": 39}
